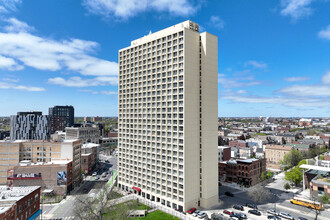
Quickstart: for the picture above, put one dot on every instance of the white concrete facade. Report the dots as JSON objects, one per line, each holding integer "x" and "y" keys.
{"x": 168, "y": 110}
{"x": 29, "y": 127}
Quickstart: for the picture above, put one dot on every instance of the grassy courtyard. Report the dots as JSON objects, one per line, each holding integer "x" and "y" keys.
{"x": 157, "y": 215}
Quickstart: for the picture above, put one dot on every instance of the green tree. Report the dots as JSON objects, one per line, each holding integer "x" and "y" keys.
{"x": 322, "y": 157}
{"x": 287, "y": 186}
{"x": 262, "y": 176}
{"x": 301, "y": 163}
{"x": 269, "y": 175}
{"x": 295, "y": 176}
{"x": 292, "y": 158}
{"x": 324, "y": 199}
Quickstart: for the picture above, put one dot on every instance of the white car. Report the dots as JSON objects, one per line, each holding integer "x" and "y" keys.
{"x": 196, "y": 213}
{"x": 202, "y": 215}
{"x": 286, "y": 215}
{"x": 272, "y": 211}
{"x": 94, "y": 174}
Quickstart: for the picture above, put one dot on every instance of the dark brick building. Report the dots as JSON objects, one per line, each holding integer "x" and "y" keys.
{"x": 244, "y": 172}
{"x": 61, "y": 117}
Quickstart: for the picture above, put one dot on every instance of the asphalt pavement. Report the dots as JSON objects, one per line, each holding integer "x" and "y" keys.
{"x": 279, "y": 200}
{"x": 65, "y": 209}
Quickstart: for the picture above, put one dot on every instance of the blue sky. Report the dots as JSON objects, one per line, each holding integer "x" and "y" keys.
{"x": 274, "y": 55}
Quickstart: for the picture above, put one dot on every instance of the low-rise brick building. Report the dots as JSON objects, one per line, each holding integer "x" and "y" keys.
{"x": 19, "y": 202}
{"x": 274, "y": 154}
{"x": 55, "y": 175}
{"x": 224, "y": 153}
{"x": 238, "y": 143}
{"x": 244, "y": 172}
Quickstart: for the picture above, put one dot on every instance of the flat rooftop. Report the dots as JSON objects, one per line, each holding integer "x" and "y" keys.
{"x": 13, "y": 194}
{"x": 89, "y": 145}
{"x": 29, "y": 163}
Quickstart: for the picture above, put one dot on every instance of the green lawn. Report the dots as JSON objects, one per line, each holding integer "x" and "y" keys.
{"x": 121, "y": 207}
{"x": 157, "y": 215}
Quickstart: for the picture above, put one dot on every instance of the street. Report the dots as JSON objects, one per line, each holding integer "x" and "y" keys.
{"x": 279, "y": 201}
{"x": 65, "y": 209}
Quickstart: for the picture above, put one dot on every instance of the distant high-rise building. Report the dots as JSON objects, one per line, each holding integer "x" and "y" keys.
{"x": 168, "y": 114}
{"x": 61, "y": 117}
{"x": 29, "y": 126}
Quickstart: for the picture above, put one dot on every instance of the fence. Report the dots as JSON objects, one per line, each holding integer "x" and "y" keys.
{"x": 52, "y": 199}
{"x": 160, "y": 207}
{"x": 152, "y": 205}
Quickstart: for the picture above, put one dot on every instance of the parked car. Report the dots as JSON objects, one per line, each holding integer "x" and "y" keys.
{"x": 227, "y": 212}
{"x": 229, "y": 194}
{"x": 255, "y": 212}
{"x": 94, "y": 174}
{"x": 202, "y": 214}
{"x": 196, "y": 213}
{"x": 97, "y": 177}
{"x": 85, "y": 190}
{"x": 104, "y": 175}
{"x": 273, "y": 217}
{"x": 243, "y": 216}
{"x": 251, "y": 205}
{"x": 286, "y": 215}
{"x": 192, "y": 210}
{"x": 302, "y": 218}
{"x": 238, "y": 207}
{"x": 107, "y": 161}
{"x": 236, "y": 215}
{"x": 272, "y": 212}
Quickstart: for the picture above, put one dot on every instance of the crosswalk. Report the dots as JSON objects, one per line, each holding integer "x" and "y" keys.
{"x": 60, "y": 218}
{"x": 52, "y": 217}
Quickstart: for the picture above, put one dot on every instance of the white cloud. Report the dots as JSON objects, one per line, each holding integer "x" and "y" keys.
{"x": 217, "y": 22}
{"x": 306, "y": 90}
{"x": 326, "y": 78}
{"x": 10, "y": 79}
{"x": 17, "y": 26}
{"x": 101, "y": 92}
{"x": 235, "y": 82}
{"x": 9, "y": 5}
{"x": 296, "y": 79}
{"x": 41, "y": 53}
{"x": 241, "y": 91}
{"x": 325, "y": 34}
{"x": 256, "y": 64}
{"x": 4, "y": 85}
{"x": 316, "y": 90}
{"x": 3, "y": 9}
{"x": 9, "y": 64}
{"x": 316, "y": 95}
{"x": 79, "y": 82}
{"x": 125, "y": 9}
{"x": 296, "y": 9}
{"x": 109, "y": 92}
{"x": 287, "y": 101}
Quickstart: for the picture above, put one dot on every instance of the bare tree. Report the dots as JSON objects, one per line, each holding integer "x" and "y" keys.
{"x": 259, "y": 194}
{"x": 95, "y": 208}
{"x": 315, "y": 210}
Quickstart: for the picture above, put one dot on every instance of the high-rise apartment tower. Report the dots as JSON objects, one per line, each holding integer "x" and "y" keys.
{"x": 60, "y": 118}
{"x": 168, "y": 110}
{"x": 29, "y": 126}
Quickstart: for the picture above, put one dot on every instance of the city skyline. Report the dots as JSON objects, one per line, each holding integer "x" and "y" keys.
{"x": 273, "y": 57}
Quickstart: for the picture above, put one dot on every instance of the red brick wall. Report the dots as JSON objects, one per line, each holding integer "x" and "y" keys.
{"x": 9, "y": 214}
{"x": 226, "y": 154}
{"x": 28, "y": 205}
